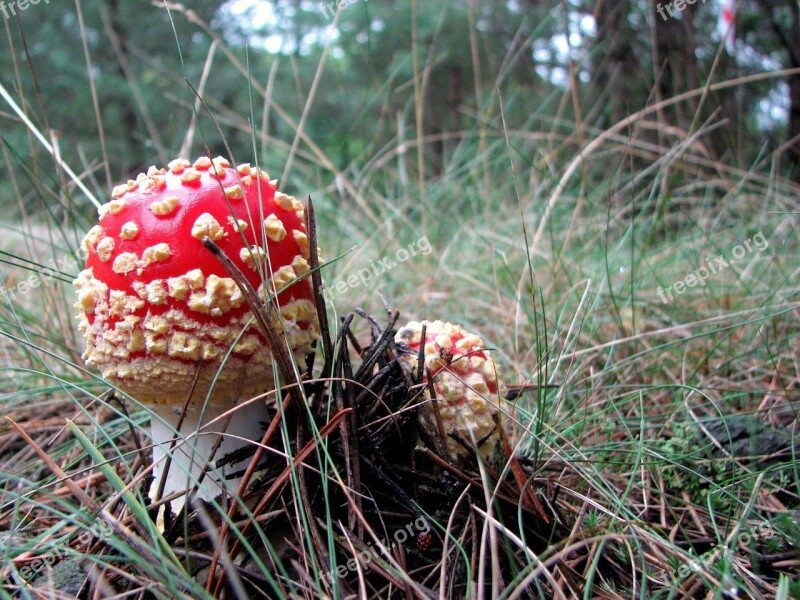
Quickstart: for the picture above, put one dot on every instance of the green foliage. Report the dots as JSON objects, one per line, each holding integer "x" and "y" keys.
{"x": 388, "y": 67}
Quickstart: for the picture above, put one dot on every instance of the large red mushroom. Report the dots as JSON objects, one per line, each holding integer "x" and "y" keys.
{"x": 162, "y": 318}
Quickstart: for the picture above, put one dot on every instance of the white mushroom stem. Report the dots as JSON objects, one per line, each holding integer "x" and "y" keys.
{"x": 199, "y": 433}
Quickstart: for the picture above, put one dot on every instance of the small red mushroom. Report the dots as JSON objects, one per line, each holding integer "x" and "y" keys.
{"x": 159, "y": 313}
{"x": 465, "y": 382}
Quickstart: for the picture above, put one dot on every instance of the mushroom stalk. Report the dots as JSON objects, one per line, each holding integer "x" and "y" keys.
{"x": 201, "y": 429}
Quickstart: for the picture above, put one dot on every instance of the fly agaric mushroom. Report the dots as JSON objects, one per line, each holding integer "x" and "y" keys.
{"x": 160, "y": 314}
{"x": 465, "y": 382}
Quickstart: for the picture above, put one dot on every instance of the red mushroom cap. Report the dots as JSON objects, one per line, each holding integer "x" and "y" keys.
{"x": 154, "y": 303}
{"x": 464, "y": 379}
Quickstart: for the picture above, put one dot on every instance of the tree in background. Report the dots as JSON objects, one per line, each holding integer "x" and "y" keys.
{"x": 772, "y": 28}
{"x": 394, "y": 72}
{"x": 619, "y": 77}
{"x": 136, "y": 71}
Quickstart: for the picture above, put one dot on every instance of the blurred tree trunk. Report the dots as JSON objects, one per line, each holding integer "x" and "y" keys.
{"x": 794, "y": 88}
{"x": 790, "y": 41}
{"x": 692, "y": 78}
{"x": 454, "y": 97}
{"x": 673, "y": 61}
{"x": 617, "y": 69}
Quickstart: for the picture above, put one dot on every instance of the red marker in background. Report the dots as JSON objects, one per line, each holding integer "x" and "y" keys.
{"x": 725, "y": 24}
